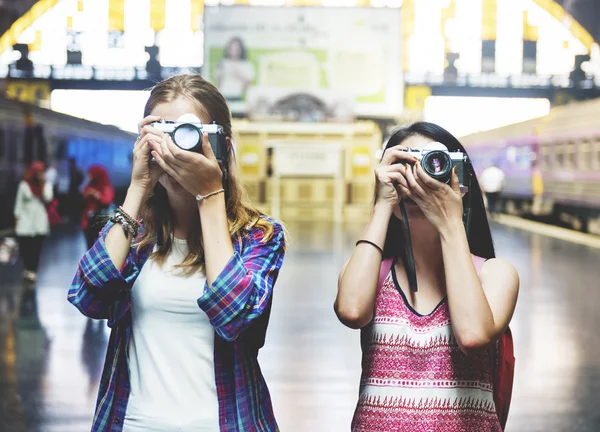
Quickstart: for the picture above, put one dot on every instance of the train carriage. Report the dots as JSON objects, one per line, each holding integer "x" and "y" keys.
{"x": 564, "y": 147}
{"x": 30, "y": 133}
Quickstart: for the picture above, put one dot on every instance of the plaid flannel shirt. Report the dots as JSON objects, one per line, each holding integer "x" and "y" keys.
{"x": 237, "y": 304}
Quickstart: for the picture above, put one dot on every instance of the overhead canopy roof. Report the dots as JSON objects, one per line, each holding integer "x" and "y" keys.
{"x": 12, "y": 10}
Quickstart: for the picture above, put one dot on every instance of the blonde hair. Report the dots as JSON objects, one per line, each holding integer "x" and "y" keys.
{"x": 156, "y": 213}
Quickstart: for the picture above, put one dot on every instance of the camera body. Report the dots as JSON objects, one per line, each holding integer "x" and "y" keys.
{"x": 187, "y": 133}
{"x": 438, "y": 162}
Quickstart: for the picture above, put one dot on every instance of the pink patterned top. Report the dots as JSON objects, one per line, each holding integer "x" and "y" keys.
{"x": 415, "y": 377}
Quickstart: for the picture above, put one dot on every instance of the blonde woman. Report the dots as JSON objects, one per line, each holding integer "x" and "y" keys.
{"x": 188, "y": 296}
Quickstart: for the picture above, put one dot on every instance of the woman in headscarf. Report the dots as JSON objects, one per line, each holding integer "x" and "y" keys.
{"x": 31, "y": 217}
{"x": 98, "y": 196}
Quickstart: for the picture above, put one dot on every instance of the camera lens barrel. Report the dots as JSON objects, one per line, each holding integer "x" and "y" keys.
{"x": 187, "y": 136}
{"x": 438, "y": 165}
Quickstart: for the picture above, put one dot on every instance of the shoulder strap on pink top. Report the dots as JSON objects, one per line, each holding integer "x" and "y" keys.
{"x": 478, "y": 262}
{"x": 386, "y": 266}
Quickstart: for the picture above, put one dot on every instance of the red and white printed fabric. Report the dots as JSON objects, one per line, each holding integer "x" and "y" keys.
{"x": 415, "y": 377}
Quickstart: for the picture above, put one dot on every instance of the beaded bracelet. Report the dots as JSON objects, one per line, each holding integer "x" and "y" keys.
{"x": 118, "y": 219}
{"x": 129, "y": 218}
{"x": 132, "y": 229}
{"x": 127, "y": 227}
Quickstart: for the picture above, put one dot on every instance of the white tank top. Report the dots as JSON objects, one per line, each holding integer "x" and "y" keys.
{"x": 171, "y": 352}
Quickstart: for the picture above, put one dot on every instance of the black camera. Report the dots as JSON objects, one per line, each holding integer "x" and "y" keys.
{"x": 437, "y": 161}
{"x": 187, "y": 133}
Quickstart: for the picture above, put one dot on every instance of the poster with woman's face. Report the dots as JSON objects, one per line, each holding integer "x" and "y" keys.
{"x": 234, "y": 73}
{"x": 354, "y": 52}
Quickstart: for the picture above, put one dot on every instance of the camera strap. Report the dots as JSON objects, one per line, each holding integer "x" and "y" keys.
{"x": 409, "y": 258}
{"x": 225, "y": 177}
{"x": 467, "y": 210}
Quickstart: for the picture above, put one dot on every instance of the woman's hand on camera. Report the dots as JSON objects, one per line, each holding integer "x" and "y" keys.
{"x": 439, "y": 202}
{"x": 145, "y": 173}
{"x": 390, "y": 174}
{"x": 199, "y": 174}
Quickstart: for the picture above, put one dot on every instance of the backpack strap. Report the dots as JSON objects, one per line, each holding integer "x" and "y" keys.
{"x": 502, "y": 359}
{"x": 386, "y": 266}
{"x": 504, "y": 375}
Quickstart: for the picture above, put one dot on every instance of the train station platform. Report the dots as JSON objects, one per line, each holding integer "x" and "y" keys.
{"x": 51, "y": 356}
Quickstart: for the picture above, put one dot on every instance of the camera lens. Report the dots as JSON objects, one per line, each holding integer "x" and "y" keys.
{"x": 438, "y": 165}
{"x": 186, "y": 136}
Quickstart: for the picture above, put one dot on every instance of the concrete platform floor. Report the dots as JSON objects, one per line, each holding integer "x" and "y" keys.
{"x": 51, "y": 356}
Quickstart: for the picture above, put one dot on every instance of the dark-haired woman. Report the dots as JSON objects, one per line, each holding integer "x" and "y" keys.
{"x": 425, "y": 363}
{"x": 32, "y": 224}
{"x": 98, "y": 196}
{"x": 188, "y": 294}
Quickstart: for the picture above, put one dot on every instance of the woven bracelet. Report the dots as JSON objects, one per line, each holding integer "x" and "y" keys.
{"x": 203, "y": 197}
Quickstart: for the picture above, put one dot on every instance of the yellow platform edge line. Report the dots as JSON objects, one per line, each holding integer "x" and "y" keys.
{"x": 560, "y": 233}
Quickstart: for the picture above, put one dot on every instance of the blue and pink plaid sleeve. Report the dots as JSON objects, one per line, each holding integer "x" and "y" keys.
{"x": 99, "y": 289}
{"x": 242, "y": 290}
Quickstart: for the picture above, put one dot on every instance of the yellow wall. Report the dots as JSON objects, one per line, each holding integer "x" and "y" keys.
{"x": 302, "y": 198}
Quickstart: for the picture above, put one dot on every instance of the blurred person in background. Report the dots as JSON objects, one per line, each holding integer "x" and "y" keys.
{"x": 74, "y": 198}
{"x": 537, "y": 187}
{"x": 492, "y": 183}
{"x": 188, "y": 296}
{"x": 235, "y": 72}
{"x": 425, "y": 360}
{"x": 53, "y": 177}
{"x": 98, "y": 196}
{"x": 31, "y": 218}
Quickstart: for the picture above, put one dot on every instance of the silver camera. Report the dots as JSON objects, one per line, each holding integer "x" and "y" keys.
{"x": 187, "y": 133}
{"x": 437, "y": 161}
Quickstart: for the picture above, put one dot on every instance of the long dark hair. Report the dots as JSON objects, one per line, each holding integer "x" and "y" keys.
{"x": 480, "y": 237}
{"x": 240, "y": 43}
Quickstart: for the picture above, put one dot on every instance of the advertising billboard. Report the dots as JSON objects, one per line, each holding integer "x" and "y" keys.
{"x": 340, "y": 56}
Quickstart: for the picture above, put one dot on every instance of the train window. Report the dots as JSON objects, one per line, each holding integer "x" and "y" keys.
{"x": 28, "y": 146}
{"x": 570, "y": 154}
{"x": 14, "y": 151}
{"x": 597, "y": 151}
{"x": 40, "y": 144}
{"x": 523, "y": 158}
{"x": 585, "y": 155}
{"x": 2, "y": 146}
{"x": 511, "y": 155}
{"x": 60, "y": 149}
{"x": 559, "y": 155}
{"x": 546, "y": 157}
